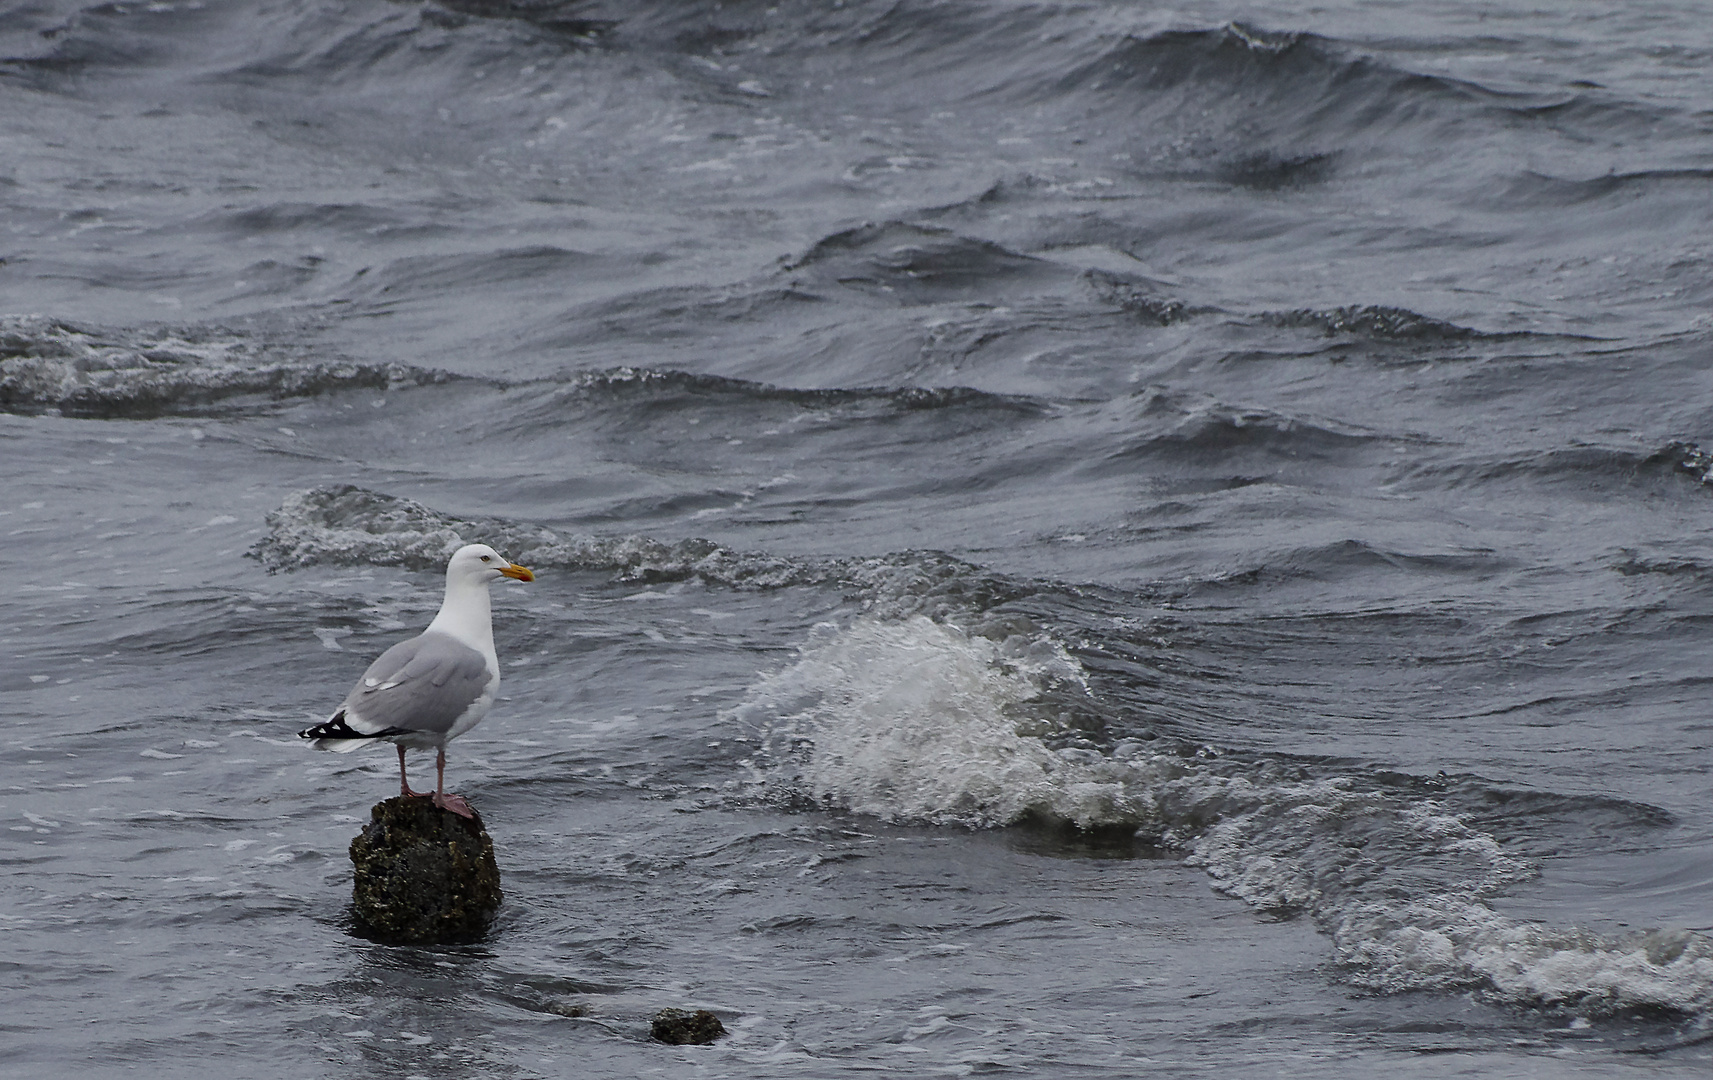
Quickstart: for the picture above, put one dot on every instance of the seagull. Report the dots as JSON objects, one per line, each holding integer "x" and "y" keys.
{"x": 429, "y": 690}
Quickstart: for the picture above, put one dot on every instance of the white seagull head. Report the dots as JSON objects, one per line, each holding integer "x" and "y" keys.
{"x": 479, "y": 564}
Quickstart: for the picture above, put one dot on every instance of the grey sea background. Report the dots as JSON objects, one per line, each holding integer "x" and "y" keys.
{"x": 1073, "y": 538}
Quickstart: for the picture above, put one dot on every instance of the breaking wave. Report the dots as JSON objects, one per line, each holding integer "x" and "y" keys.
{"x": 51, "y": 366}
{"x": 348, "y": 525}
{"x": 913, "y": 720}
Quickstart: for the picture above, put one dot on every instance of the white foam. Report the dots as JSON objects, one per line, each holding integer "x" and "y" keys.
{"x": 1448, "y": 942}
{"x": 918, "y": 721}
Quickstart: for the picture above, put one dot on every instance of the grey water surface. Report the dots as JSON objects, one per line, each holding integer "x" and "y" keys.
{"x": 1073, "y": 538}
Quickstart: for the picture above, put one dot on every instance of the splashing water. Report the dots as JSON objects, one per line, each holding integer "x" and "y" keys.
{"x": 920, "y": 721}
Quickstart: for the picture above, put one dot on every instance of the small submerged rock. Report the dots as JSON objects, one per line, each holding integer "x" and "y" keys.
{"x": 678, "y": 1027}
{"x": 574, "y": 1009}
{"x": 424, "y": 876}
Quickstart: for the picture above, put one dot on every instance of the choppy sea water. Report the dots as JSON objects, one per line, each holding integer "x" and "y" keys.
{"x": 1093, "y": 538}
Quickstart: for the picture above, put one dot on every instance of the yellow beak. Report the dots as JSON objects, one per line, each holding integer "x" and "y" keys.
{"x": 513, "y": 570}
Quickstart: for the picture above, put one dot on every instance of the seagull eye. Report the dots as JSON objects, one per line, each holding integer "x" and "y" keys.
{"x": 486, "y": 558}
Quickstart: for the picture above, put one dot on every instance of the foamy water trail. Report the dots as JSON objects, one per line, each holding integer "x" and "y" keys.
{"x": 919, "y": 721}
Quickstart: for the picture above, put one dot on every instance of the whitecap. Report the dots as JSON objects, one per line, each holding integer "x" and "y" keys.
{"x": 920, "y": 721}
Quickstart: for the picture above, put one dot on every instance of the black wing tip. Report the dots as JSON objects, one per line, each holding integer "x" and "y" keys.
{"x": 337, "y": 728}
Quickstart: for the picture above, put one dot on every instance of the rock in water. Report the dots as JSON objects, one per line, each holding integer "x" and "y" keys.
{"x": 678, "y": 1027}
{"x": 425, "y": 876}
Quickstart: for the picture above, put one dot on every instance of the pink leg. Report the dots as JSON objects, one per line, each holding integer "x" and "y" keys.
{"x": 404, "y": 785}
{"x": 454, "y": 803}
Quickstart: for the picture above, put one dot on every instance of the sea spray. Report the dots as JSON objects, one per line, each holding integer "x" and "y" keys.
{"x": 919, "y": 721}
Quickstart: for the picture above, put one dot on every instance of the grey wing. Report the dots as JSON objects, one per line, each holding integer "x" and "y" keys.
{"x": 423, "y": 684}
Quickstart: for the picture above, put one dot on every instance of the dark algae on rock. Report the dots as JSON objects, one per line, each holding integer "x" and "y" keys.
{"x": 678, "y": 1027}
{"x": 424, "y": 875}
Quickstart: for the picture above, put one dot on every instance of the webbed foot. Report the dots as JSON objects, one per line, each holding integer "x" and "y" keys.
{"x": 456, "y": 804}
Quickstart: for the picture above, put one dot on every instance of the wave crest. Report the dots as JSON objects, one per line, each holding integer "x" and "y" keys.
{"x": 47, "y": 365}
{"x": 348, "y": 525}
{"x": 1375, "y": 321}
{"x": 920, "y": 721}
{"x": 915, "y": 264}
{"x": 345, "y": 524}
